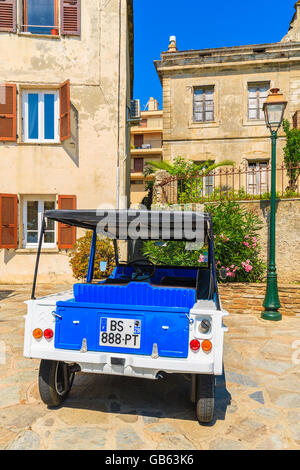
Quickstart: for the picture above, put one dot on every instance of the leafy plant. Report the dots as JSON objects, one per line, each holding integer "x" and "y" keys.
{"x": 292, "y": 154}
{"x": 80, "y": 256}
{"x": 237, "y": 250}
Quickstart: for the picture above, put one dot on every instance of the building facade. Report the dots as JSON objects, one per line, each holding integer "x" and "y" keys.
{"x": 146, "y": 145}
{"x": 213, "y": 102}
{"x": 66, "y": 76}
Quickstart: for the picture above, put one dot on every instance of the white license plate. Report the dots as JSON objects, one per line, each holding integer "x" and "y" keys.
{"x": 120, "y": 333}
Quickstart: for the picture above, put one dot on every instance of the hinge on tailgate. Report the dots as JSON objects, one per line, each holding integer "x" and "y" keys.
{"x": 155, "y": 354}
{"x": 84, "y": 346}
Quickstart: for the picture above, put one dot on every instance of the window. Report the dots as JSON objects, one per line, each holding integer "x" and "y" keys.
{"x": 206, "y": 187}
{"x": 204, "y": 104}
{"x": 33, "y": 209}
{"x": 41, "y": 116}
{"x": 40, "y": 16}
{"x": 257, "y": 95}
{"x": 138, "y": 165}
{"x": 258, "y": 178}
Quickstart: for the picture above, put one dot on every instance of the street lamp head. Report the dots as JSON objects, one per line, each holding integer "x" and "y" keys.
{"x": 274, "y": 109}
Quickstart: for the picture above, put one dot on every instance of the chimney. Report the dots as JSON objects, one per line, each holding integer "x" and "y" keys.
{"x": 172, "y": 44}
{"x": 152, "y": 104}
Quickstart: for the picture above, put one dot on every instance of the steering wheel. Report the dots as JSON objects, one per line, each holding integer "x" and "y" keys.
{"x": 140, "y": 271}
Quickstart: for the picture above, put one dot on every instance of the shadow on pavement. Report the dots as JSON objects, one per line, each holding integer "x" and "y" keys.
{"x": 164, "y": 398}
{"x": 5, "y": 293}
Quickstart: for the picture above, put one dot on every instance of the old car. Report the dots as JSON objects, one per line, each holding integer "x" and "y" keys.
{"x": 144, "y": 320}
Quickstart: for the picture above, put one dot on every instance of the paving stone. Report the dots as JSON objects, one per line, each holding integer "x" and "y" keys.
{"x": 258, "y": 396}
{"x": 288, "y": 400}
{"x": 282, "y": 350}
{"x": 127, "y": 438}
{"x": 278, "y": 367}
{"x": 163, "y": 428}
{"x": 150, "y": 419}
{"x": 28, "y": 441}
{"x": 21, "y": 416}
{"x": 6, "y": 436}
{"x": 295, "y": 431}
{"x": 266, "y": 412}
{"x": 76, "y": 417}
{"x": 273, "y": 442}
{"x": 240, "y": 379}
{"x": 9, "y": 396}
{"x": 79, "y": 438}
{"x": 177, "y": 442}
{"x": 226, "y": 444}
{"x": 247, "y": 430}
{"x": 26, "y": 376}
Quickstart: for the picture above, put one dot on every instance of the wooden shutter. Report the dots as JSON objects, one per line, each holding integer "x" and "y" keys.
{"x": 66, "y": 234}
{"x": 8, "y": 15}
{"x": 64, "y": 99}
{"x": 8, "y": 112}
{"x": 71, "y": 17}
{"x": 138, "y": 165}
{"x": 9, "y": 221}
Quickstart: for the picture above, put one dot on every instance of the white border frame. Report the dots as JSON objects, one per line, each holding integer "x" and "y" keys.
{"x": 41, "y": 121}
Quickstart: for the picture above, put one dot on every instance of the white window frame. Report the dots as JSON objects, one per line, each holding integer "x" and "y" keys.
{"x": 41, "y": 201}
{"x": 41, "y": 122}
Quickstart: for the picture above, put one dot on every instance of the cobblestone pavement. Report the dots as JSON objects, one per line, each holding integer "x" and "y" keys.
{"x": 257, "y": 399}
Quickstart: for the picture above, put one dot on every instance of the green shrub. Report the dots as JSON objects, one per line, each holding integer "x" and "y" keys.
{"x": 80, "y": 257}
{"x": 236, "y": 245}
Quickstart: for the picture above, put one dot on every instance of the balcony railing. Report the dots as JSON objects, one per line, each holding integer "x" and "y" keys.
{"x": 153, "y": 144}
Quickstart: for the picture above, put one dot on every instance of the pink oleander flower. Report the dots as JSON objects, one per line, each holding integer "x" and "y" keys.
{"x": 246, "y": 244}
{"x": 232, "y": 266}
{"x": 201, "y": 259}
{"x": 218, "y": 262}
{"x": 254, "y": 239}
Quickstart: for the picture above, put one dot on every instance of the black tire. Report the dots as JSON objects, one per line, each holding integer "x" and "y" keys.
{"x": 205, "y": 398}
{"x": 52, "y": 388}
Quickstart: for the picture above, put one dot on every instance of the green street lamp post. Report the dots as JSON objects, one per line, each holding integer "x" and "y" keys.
{"x": 274, "y": 109}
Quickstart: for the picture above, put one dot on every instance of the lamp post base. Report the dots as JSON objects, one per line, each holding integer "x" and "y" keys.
{"x": 271, "y": 315}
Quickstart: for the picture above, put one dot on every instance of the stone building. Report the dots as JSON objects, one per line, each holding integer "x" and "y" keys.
{"x": 146, "y": 145}
{"x": 213, "y": 99}
{"x": 66, "y": 75}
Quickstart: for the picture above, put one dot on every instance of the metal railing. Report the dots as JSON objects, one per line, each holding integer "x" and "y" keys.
{"x": 233, "y": 184}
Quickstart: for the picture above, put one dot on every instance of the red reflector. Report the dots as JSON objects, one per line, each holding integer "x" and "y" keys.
{"x": 195, "y": 345}
{"x": 48, "y": 334}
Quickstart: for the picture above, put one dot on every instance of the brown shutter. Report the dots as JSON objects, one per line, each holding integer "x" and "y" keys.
{"x": 66, "y": 234}
{"x": 9, "y": 221}
{"x": 64, "y": 98}
{"x": 8, "y": 15}
{"x": 8, "y": 112}
{"x": 71, "y": 17}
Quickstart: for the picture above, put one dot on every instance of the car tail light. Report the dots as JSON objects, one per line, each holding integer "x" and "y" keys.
{"x": 195, "y": 345}
{"x": 37, "y": 333}
{"x": 48, "y": 334}
{"x": 207, "y": 345}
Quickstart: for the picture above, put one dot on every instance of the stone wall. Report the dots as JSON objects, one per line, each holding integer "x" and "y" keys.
{"x": 248, "y": 298}
{"x": 287, "y": 235}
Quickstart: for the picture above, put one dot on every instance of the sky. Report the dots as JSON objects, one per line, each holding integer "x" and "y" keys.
{"x": 199, "y": 24}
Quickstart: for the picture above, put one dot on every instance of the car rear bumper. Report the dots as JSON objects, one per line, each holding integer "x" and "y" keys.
{"x": 130, "y": 365}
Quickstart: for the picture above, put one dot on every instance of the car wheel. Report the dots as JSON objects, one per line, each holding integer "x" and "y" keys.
{"x": 55, "y": 382}
{"x": 205, "y": 398}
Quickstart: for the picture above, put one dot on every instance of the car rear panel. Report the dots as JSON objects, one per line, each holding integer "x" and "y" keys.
{"x": 161, "y": 324}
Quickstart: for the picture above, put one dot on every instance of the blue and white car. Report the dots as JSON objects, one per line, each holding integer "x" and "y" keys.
{"x": 143, "y": 321}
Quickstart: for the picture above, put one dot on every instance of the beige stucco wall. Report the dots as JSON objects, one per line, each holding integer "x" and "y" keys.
{"x": 86, "y": 164}
{"x": 231, "y": 135}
